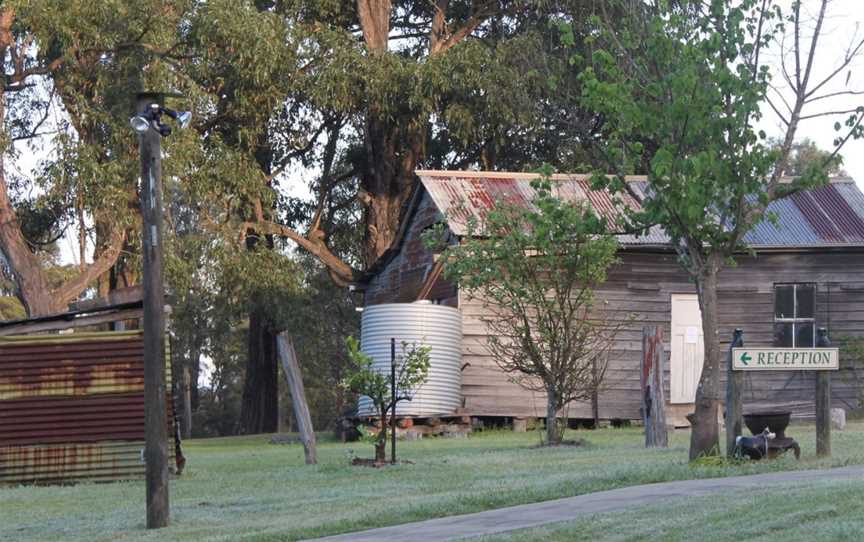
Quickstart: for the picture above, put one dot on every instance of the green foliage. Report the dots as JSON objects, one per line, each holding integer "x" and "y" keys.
{"x": 537, "y": 269}
{"x": 688, "y": 121}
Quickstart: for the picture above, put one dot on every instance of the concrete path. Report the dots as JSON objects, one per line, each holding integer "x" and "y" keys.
{"x": 542, "y": 513}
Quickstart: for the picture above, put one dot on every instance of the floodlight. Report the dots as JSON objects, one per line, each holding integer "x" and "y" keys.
{"x": 140, "y": 124}
{"x": 184, "y": 118}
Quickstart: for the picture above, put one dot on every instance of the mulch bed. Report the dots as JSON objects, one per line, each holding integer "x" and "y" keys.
{"x": 363, "y": 462}
{"x": 565, "y": 443}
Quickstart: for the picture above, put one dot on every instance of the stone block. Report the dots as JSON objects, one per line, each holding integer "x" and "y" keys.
{"x": 520, "y": 425}
{"x": 838, "y": 419}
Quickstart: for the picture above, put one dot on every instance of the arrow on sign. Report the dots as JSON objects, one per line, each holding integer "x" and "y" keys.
{"x": 745, "y": 358}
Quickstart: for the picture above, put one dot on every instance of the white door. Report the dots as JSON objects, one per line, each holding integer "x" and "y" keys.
{"x": 688, "y": 352}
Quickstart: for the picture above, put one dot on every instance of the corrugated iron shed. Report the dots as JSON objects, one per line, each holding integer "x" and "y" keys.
{"x": 72, "y": 407}
{"x": 830, "y": 216}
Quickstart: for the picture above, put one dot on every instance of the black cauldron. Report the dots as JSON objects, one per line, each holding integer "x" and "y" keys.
{"x": 775, "y": 421}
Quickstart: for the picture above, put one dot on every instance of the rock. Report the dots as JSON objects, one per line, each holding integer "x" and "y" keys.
{"x": 283, "y": 439}
{"x": 838, "y": 419}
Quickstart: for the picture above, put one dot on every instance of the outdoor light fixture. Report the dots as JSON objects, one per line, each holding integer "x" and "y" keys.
{"x": 152, "y": 117}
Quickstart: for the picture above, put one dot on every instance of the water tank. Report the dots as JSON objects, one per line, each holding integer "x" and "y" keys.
{"x": 436, "y": 326}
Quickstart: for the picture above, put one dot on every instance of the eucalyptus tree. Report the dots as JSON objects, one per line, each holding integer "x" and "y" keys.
{"x": 361, "y": 97}
{"x": 681, "y": 85}
{"x": 62, "y": 65}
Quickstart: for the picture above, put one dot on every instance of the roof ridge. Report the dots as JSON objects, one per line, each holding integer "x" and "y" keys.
{"x": 504, "y": 175}
{"x": 499, "y": 175}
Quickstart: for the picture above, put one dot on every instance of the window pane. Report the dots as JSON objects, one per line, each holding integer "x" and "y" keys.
{"x": 804, "y": 335}
{"x": 783, "y": 334}
{"x": 784, "y": 305}
{"x": 805, "y": 295}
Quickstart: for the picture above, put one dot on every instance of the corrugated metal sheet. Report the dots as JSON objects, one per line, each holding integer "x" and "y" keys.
{"x": 465, "y": 197}
{"x": 832, "y": 215}
{"x": 72, "y": 407}
{"x": 421, "y": 323}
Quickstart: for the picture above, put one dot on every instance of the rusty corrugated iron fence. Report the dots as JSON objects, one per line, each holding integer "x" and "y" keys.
{"x": 72, "y": 407}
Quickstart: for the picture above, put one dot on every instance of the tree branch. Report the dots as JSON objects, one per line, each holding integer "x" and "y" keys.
{"x": 72, "y": 288}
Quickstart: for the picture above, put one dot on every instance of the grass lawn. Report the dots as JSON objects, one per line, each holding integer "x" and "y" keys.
{"x": 828, "y": 510}
{"x": 246, "y": 489}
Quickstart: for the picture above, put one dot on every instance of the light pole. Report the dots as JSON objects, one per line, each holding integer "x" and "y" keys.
{"x": 147, "y": 123}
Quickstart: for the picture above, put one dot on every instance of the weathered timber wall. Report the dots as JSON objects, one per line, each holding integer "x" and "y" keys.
{"x": 641, "y": 284}
{"x": 403, "y": 276}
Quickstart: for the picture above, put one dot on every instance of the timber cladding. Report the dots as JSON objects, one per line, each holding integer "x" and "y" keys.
{"x": 72, "y": 407}
{"x": 642, "y": 284}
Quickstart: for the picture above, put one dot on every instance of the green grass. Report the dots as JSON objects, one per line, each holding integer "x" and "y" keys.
{"x": 246, "y": 489}
{"x": 828, "y": 510}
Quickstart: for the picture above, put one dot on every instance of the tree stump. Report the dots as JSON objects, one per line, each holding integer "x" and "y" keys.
{"x": 653, "y": 404}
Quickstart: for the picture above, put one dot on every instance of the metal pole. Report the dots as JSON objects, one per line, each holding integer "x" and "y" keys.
{"x": 734, "y": 385}
{"x": 823, "y": 402}
{"x": 155, "y": 411}
{"x": 393, "y": 398}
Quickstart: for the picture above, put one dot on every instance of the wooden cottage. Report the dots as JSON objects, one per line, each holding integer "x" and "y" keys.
{"x": 805, "y": 272}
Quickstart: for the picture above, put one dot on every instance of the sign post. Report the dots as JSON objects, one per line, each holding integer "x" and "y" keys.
{"x": 734, "y": 408}
{"x": 821, "y": 359}
{"x": 823, "y": 402}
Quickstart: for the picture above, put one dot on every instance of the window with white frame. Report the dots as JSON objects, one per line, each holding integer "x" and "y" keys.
{"x": 795, "y": 315}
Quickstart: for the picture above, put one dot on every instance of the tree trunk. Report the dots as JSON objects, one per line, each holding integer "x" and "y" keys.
{"x": 705, "y": 433}
{"x": 381, "y": 443}
{"x": 553, "y": 435}
{"x": 187, "y": 403}
{"x": 259, "y": 408}
{"x": 393, "y": 151}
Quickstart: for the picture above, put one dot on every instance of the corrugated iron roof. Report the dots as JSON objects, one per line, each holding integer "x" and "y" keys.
{"x": 832, "y": 215}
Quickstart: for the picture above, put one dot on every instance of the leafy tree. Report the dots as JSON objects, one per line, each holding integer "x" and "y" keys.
{"x": 681, "y": 85}
{"x": 805, "y": 157}
{"x": 412, "y": 368}
{"x": 537, "y": 269}
{"x": 37, "y": 62}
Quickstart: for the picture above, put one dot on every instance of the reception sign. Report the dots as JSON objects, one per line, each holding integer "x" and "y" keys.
{"x": 785, "y": 359}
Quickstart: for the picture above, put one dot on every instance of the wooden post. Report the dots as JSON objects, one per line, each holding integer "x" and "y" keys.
{"x": 823, "y": 402}
{"x": 155, "y": 410}
{"x": 734, "y": 387}
{"x": 393, "y": 400}
{"x": 298, "y": 395}
{"x": 595, "y": 395}
{"x": 653, "y": 404}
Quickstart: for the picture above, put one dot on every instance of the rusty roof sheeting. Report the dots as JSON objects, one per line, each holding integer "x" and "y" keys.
{"x": 72, "y": 408}
{"x": 829, "y": 216}
{"x": 466, "y": 197}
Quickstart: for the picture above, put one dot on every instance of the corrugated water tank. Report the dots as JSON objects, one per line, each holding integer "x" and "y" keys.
{"x": 421, "y": 323}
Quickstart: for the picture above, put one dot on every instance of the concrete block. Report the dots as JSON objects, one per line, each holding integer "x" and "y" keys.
{"x": 520, "y": 425}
